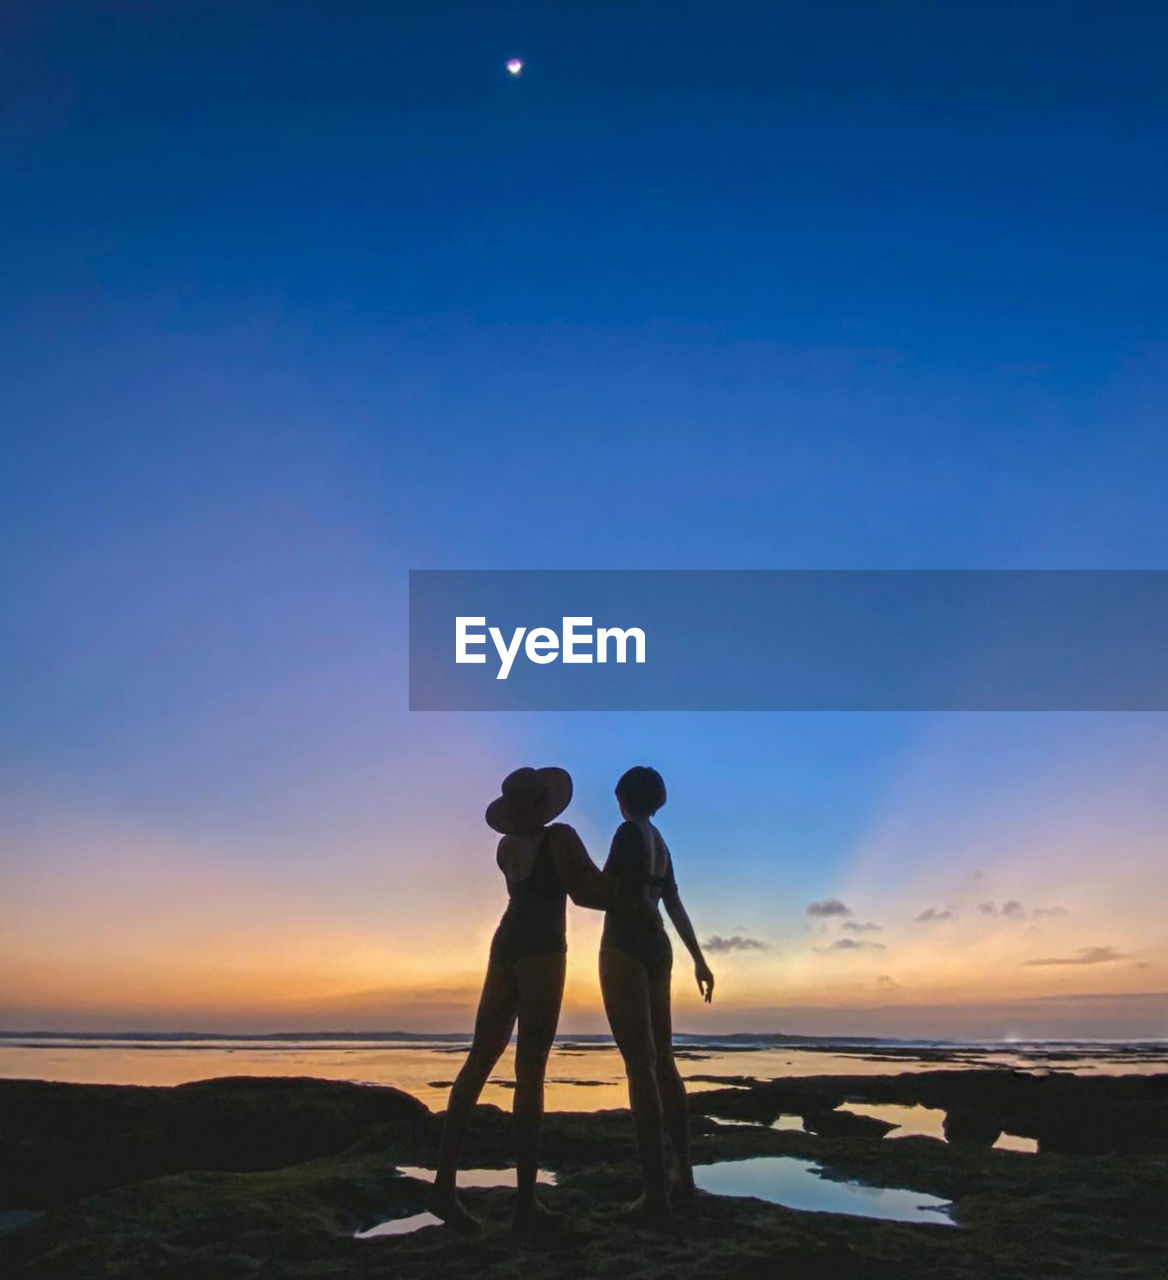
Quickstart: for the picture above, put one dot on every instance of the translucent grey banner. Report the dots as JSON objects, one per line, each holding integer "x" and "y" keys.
{"x": 812, "y": 640}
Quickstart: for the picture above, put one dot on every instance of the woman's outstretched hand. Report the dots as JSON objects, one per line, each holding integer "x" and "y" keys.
{"x": 705, "y": 980}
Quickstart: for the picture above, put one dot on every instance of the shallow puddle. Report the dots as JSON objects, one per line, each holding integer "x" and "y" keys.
{"x": 1012, "y": 1142}
{"x": 800, "y": 1184}
{"x": 400, "y": 1226}
{"x": 19, "y": 1219}
{"x": 788, "y": 1124}
{"x": 929, "y": 1122}
{"x": 910, "y": 1121}
{"x": 466, "y": 1178}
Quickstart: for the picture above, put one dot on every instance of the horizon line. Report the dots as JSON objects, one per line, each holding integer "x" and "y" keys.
{"x": 398, "y": 1034}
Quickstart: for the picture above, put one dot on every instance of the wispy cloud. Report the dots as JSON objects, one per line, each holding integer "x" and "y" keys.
{"x": 931, "y": 913}
{"x": 718, "y": 944}
{"x": 1085, "y": 955}
{"x": 1014, "y": 910}
{"x": 853, "y": 944}
{"x": 828, "y": 907}
{"x": 863, "y": 926}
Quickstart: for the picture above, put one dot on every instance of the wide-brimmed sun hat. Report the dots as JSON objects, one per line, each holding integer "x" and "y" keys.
{"x": 531, "y": 798}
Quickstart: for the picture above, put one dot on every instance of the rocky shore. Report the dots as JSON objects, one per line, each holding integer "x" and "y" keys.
{"x": 258, "y": 1177}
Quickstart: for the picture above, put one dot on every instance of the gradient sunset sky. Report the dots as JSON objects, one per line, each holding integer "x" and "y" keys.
{"x": 299, "y": 296}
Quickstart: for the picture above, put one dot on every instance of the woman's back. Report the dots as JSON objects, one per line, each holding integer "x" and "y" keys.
{"x": 535, "y": 921}
{"x": 640, "y": 860}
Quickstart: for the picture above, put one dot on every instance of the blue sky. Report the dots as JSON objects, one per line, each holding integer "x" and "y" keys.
{"x": 297, "y": 297}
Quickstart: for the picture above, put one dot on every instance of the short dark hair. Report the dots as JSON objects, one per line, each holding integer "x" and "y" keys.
{"x": 641, "y": 790}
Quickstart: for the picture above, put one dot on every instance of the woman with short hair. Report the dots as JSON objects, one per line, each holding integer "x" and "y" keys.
{"x": 636, "y": 963}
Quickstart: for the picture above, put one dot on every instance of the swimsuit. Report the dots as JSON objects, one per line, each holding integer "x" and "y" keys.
{"x": 535, "y": 922}
{"x": 640, "y": 934}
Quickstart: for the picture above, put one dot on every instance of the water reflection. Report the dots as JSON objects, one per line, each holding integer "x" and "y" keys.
{"x": 787, "y": 1124}
{"x": 1012, "y": 1142}
{"x": 476, "y": 1177}
{"x": 929, "y": 1122}
{"x": 466, "y": 1178}
{"x": 13, "y": 1220}
{"x": 910, "y": 1121}
{"x": 400, "y": 1226}
{"x": 584, "y": 1075}
{"x": 803, "y": 1185}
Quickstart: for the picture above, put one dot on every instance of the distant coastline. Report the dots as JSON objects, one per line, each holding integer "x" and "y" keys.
{"x": 736, "y": 1039}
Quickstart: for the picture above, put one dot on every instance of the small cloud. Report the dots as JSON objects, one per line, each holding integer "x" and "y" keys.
{"x": 828, "y": 907}
{"x": 931, "y": 913}
{"x": 851, "y": 944}
{"x": 886, "y": 982}
{"x": 1014, "y": 910}
{"x": 859, "y": 926}
{"x": 1142, "y": 964}
{"x": 1085, "y": 955}
{"x": 718, "y": 944}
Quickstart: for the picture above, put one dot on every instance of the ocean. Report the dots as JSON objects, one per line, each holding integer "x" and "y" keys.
{"x": 584, "y": 1072}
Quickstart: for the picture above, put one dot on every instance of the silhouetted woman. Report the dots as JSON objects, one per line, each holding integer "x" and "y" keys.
{"x": 525, "y": 978}
{"x": 635, "y": 967}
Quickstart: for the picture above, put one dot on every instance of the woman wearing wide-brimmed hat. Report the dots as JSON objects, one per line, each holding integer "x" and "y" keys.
{"x": 544, "y": 865}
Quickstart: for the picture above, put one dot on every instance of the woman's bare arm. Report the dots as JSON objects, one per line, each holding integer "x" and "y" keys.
{"x": 685, "y": 931}
{"x": 586, "y": 884}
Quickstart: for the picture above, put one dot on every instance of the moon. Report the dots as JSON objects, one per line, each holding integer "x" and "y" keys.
{"x": 514, "y": 66}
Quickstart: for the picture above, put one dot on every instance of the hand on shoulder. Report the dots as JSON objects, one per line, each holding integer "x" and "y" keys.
{"x": 566, "y": 835}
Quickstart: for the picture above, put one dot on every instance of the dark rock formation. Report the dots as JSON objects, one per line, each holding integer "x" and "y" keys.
{"x": 62, "y": 1141}
{"x": 1091, "y": 1217}
{"x": 1065, "y": 1113}
{"x": 845, "y": 1124}
{"x": 968, "y": 1124}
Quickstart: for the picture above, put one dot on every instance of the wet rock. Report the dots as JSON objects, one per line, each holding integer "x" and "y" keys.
{"x": 969, "y": 1125}
{"x": 845, "y": 1124}
{"x": 1088, "y": 1217}
{"x": 62, "y": 1141}
{"x": 1079, "y": 1133}
{"x": 1073, "y": 1114}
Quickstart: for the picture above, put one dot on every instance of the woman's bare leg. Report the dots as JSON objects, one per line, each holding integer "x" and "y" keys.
{"x": 625, "y": 986}
{"x": 674, "y": 1104}
{"x": 498, "y": 1006}
{"x": 541, "y": 992}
